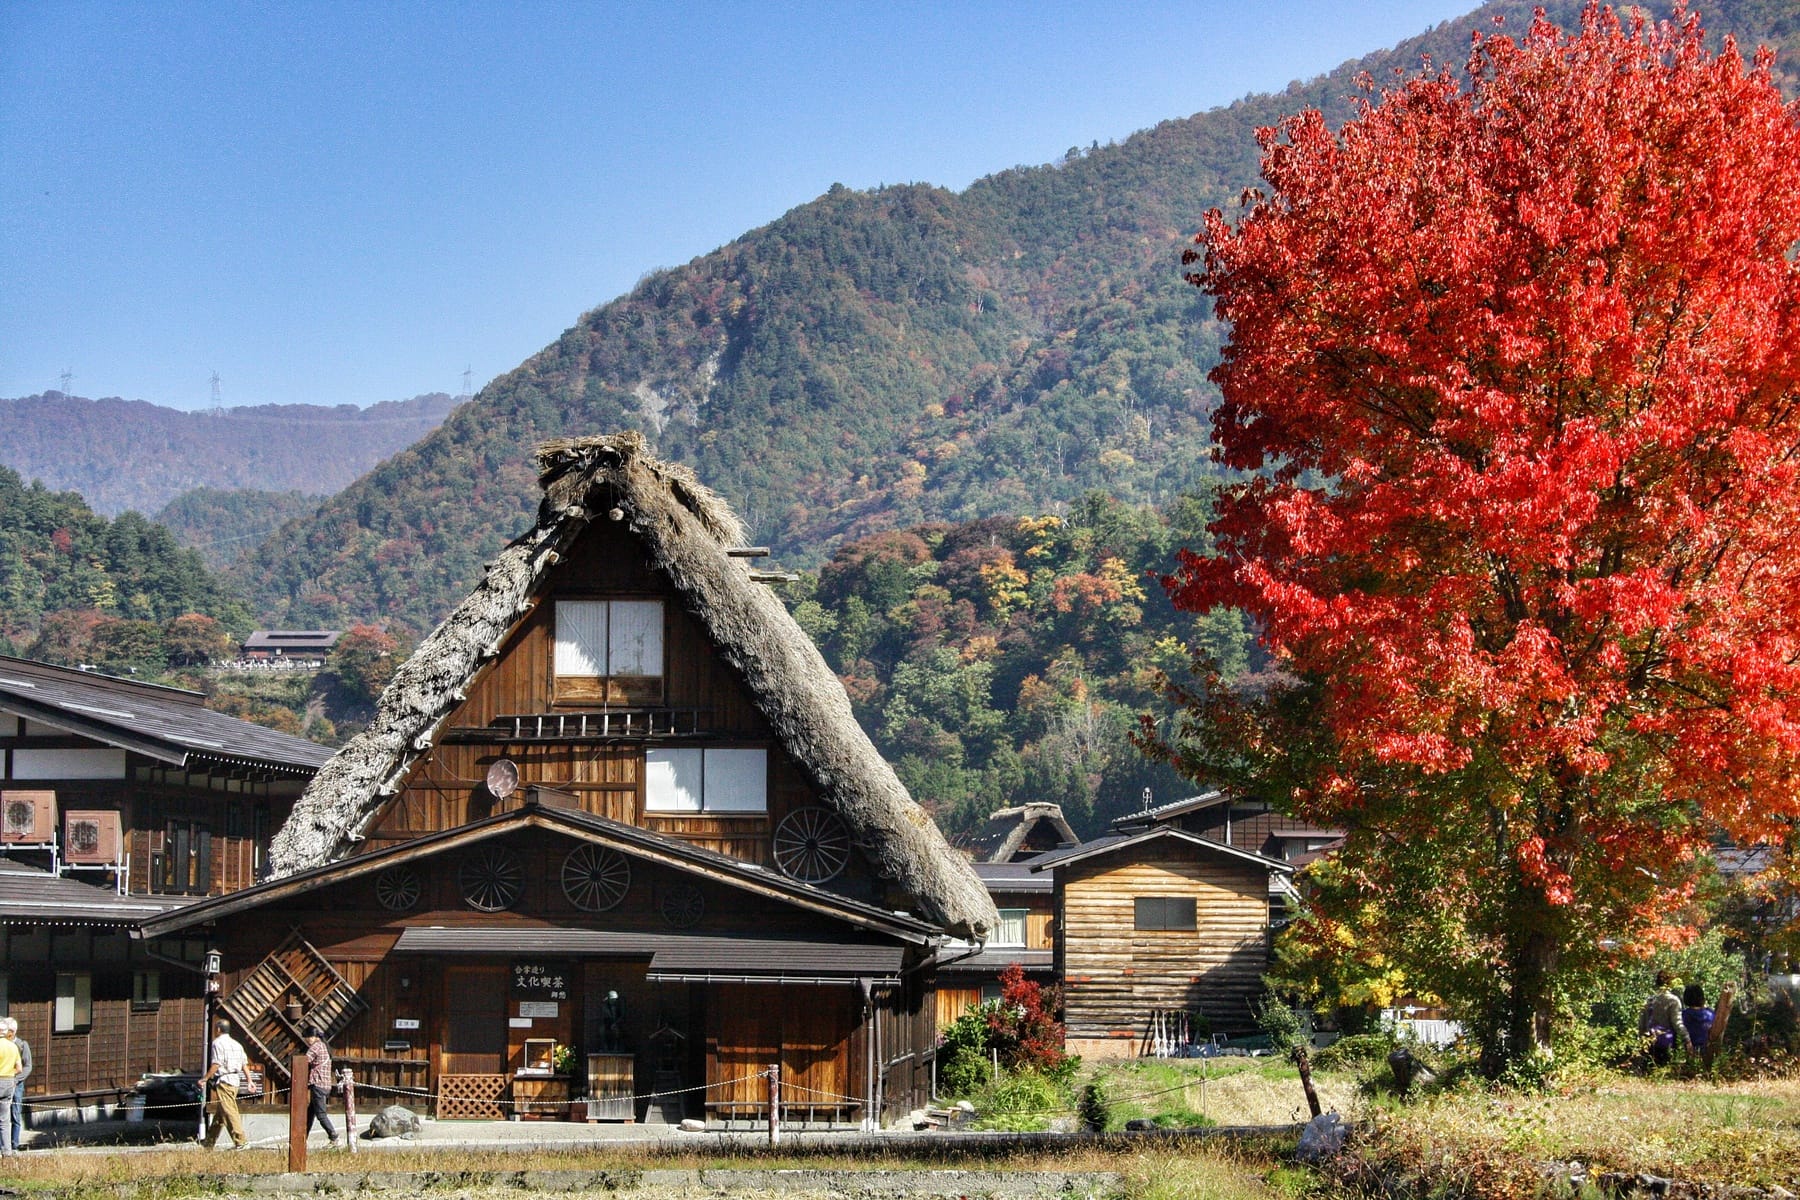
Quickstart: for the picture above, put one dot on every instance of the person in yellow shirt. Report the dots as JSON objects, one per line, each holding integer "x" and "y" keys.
{"x": 9, "y": 1077}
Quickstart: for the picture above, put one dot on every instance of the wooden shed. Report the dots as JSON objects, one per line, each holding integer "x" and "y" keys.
{"x": 1153, "y": 923}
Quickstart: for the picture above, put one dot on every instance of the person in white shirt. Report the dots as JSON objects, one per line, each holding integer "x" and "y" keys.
{"x": 225, "y": 1076}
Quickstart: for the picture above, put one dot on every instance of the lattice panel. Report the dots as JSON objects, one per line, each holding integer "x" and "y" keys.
{"x": 471, "y": 1098}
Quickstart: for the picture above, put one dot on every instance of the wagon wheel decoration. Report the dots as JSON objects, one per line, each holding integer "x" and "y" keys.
{"x": 492, "y": 880}
{"x": 683, "y": 906}
{"x": 812, "y": 845}
{"x": 397, "y": 888}
{"x": 595, "y": 878}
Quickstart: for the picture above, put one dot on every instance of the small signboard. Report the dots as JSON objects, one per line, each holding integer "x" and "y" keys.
{"x": 540, "y": 980}
{"x": 406, "y": 1022}
{"x": 518, "y": 1022}
{"x": 538, "y": 1008}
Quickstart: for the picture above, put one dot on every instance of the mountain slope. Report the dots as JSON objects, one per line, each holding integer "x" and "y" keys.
{"x": 869, "y": 361}
{"x": 124, "y": 454}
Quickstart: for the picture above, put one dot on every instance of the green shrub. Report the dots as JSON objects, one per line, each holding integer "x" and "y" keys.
{"x": 1357, "y": 1052}
{"x": 1021, "y": 1100}
{"x": 1281, "y": 1022}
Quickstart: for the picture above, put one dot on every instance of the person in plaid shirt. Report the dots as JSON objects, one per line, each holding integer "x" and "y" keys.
{"x": 318, "y": 1082}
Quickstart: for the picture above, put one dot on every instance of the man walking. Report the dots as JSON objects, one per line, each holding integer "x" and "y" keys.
{"x": 25, "y": 1068}
{"x": 9, "y": 1076}
{"x": 318, "y": 1081}
{"x": 225, "y": 1075}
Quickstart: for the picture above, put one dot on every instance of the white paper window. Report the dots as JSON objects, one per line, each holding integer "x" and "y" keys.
{"x": 706, "y": 781}
{"x": 68, "y": 764}
{"x": 635, "y": 643}
{"x": 1011, "y": 930}
{"x": 581, "y": 637}
{"x": 673, "y": 780}
{"x": 74, "y": 1003}
{"x": 597, "y": 638}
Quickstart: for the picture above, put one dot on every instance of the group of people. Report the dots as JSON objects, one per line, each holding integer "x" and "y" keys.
{"x": 15, "y": 1069}
{"x": 226, "y": 1076}
{"x": 1669, "y": 1019}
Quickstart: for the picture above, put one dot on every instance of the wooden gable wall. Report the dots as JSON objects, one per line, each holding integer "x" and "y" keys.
{"x": 444, "y": 789}
{"x": 1114, "y": 975}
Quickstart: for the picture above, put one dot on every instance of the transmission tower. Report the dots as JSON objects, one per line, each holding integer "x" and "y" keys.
{"x": 468, "y": 382}
{"x": 217, "y": 392}
{"x": 68, "y": 380}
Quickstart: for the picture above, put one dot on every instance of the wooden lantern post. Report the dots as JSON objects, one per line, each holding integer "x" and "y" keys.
{"x": 297, "y": 1098}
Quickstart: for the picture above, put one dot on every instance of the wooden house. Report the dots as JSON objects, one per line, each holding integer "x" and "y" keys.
{"x": 290, "y": 647}
{"x": 119, "y": 800}
{"x": 1252, "y": 825}
{"x": 1011, "y": 837}
{"x": 1153, "y": 924}
{"x": 613, "y": 843}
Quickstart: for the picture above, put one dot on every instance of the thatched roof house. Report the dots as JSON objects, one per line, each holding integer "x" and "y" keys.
{"x": 686, "y": 531}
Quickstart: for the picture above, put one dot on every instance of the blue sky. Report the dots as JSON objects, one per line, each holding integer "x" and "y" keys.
{"x": 350, "y": 202}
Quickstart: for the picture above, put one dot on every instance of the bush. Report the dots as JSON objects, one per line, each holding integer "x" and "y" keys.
{"x": 1021, "y": 1100}
{"x": 1280, "y": 1022}
{"x": 1356, "y": 1052}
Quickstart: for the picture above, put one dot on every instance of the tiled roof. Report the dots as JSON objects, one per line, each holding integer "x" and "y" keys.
{"x": 170, "y": 724}
{"x": 30, "y": 894}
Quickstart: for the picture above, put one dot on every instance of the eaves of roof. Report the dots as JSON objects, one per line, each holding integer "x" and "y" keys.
{"x": 1116, "y": 842}
{"x": 670, "y": 852}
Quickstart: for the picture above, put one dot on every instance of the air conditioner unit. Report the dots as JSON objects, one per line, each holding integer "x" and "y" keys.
{"x": 28, "y": 817}
{"x": 92, "y": 837}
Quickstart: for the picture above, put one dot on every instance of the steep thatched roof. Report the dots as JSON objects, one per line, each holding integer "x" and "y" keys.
{"x": 686, "y": 529}
{"x": 1021, "y": 831}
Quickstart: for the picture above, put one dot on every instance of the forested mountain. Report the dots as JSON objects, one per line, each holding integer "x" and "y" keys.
{"x": 122, "y": 454}
{"x": 1007, "y": 659}
{"x": 870, "y": 361}
{"x": 226, "y": 525}
{"x": 77, "y": 587}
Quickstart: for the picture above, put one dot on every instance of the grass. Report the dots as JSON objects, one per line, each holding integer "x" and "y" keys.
{"x": 1217, "y": 1091}
{"x": 1155, "y": 1173}
{"x": 1724, "y": 1133}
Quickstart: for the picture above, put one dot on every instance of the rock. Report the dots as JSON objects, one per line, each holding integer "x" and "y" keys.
{"x": 690, "y": 1125}
{"x": 396, "y": 1120}
{"x": 1777, "y": 1192}
{"x": 1323, "y": 1138}
{"x": 1140, "y": 1125}
{"x": 965, "y": 1105}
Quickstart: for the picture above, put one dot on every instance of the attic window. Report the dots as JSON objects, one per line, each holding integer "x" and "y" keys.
{"x": 693, "y": 781}
{"x": 609, "y": 651}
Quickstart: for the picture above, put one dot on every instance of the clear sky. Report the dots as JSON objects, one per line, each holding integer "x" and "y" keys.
{"x": 351, "y": 202}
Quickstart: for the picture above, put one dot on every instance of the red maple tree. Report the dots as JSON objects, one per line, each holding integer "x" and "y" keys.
{"x": 1515, "y": 362}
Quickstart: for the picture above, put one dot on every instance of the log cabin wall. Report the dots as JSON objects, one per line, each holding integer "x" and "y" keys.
{"x": 1114, "y": 975}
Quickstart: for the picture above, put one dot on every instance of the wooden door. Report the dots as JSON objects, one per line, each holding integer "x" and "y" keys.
{"x": 475, "y": 1032}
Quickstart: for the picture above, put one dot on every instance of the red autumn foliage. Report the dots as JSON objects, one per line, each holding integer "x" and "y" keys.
{"x": 1023, "y": 1026}
{"x": 1518, "y": 357}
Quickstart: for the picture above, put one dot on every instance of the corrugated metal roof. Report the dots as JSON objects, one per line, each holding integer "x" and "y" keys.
{"x": 994, "y": 959}
{"x": 1173, "y": 808}
{"x": 673, "y": 957}
{"x": 30, "y": 894}
{"x": 170, "y": 724}
{"x": 292, "y": 639}
{"x": 1014, "y": 878}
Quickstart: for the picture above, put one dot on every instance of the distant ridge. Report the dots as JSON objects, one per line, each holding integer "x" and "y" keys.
{"x": 130, "y": 454}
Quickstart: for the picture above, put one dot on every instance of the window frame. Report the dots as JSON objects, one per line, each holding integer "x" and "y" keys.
{"x": 146, "y": 990}
{"x": 81, "y": 1003}
{"x": 1023, "y": 917}
{"x": 701, "y": 808}
{"x": 1151, "y": 914}
{"x": 609, "y": 686}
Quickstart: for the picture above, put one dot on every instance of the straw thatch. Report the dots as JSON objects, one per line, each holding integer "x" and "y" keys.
{"x": 685, "y": 528}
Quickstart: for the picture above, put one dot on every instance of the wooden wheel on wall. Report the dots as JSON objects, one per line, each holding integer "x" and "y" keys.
{"x": 492, "y": 880}
{"x": 683, "y": 905}
{"x": 595, "y": 878}
{"x": 397, "y": 889}
{"x": 812, "y": 845}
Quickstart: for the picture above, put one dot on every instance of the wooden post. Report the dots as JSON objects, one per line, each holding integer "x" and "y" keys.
{"x": 349, "y": 1109}
{"x": 297, "y": 1097}
{"x": 1715, "y": 1040}
{"x": 774, "y": 1104}
{"x": 1304, "y": 1062}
